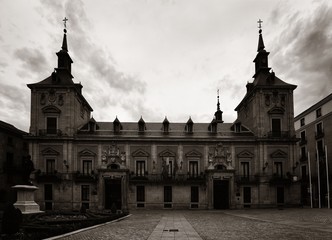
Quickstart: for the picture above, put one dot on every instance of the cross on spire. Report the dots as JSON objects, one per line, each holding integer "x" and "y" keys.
{"x": 65, "y": 21}
{"x": 259, "y": 23}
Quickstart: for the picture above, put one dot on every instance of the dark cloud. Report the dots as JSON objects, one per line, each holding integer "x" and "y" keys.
{"x": 82, "y": 45}
{"x": 94, "y": 66}
{"x": 303, "y": 54}
{"x": 15, "y": 101}
{"x": 32, "y": 60}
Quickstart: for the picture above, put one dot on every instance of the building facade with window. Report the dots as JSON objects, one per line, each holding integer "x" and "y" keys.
{"x": 314, "y": 128}
{"x": 214, "y": 165}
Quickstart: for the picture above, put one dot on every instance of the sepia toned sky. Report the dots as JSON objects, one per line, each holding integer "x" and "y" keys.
{"x": 157, "y": 58}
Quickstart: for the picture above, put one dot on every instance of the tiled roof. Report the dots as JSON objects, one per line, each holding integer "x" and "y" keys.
{"x": 155, "y": 129}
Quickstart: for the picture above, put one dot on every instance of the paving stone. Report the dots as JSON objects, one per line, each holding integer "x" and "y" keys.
{"x": 210, "y": 225}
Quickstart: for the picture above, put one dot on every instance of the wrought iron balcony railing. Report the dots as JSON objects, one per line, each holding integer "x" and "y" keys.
{"x": 319, "y": 134}
{"x": 280, "y": 179}
{"x": 165, "y": 178}
{"x": 247, "y": 179}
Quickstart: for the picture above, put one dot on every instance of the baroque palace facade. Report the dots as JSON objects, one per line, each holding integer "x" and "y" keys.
{"x": 79, "y": 161}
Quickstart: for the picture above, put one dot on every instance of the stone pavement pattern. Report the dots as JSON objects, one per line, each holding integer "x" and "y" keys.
{"x": 210, "y": 225}
{"x": 174, "y": 226}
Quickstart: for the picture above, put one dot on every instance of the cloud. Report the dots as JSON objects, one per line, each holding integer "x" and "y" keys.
{"x": 32, "y": 60}
{"x": 106, "y": 85}
{"x": 304, "y": 55}
{"x": 11, "y": 106}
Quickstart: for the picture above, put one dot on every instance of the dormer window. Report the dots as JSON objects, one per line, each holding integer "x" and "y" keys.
{"x": 189, "y": 126}
{"x": 141, "y": 125}
{"x": 238, "y": 127}
{"x": 213, "y": 126}
{"x": 117, "y": 125}
{"x": 166, "y": 125}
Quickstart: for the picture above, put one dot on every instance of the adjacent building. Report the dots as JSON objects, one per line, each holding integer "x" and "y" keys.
{"x": 13, "y": 151}
{"x": 250, "y": 162}
{"x": 314, "y": 128}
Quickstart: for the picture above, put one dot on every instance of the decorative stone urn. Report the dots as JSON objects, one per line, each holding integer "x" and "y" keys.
{"x": 25, "y": 199}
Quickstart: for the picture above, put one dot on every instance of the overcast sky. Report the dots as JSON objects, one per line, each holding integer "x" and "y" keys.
{"x": 157, "y": 58}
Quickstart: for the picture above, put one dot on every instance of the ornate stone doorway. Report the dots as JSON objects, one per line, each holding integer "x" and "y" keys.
{"x": 113, "y": 193}
{"x": 220, "y": 194}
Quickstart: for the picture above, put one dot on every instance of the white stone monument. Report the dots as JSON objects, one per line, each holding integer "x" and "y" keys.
{"x": 25, "y": 199}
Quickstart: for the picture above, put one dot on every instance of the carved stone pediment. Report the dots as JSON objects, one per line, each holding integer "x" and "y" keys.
{"x": 51, "y": 109}
{"x": 86, "y": 152}
{"x": 194, "y": 154}
{"x": 140, "y": 153}
{"x": 245, "y": 154}
{"x": 49, "y": 151}
{"x": 279, "y": 154}
{"x": 167, "y": 153}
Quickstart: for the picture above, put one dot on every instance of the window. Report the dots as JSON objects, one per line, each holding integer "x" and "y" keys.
{"x": 85, "y": 196}
{"x": 276, "y": 127}
{"x": 319, "y": 129}
{"x": 85, "y": 193}
{"x": 51, "y": 125}
{"x": 238, "y": 127}
{"x": 320, "y": 148}
{"x": 140, "y": 193}
{"x": 303, "y": 153}
{"x": 168, "y": 166}
{"x": 87, "y": 167}
{"x": 50, "y": 166}
{"x": 167, "y": 196}
{"x": 193, "y": 169}
{"x": 245, "y": 169}
{"x": 303, "y": 137}
{"x": 140, "y": 168}
{"x": 194, "y": 194}
{"x": 318, "y": 112}
{"x": 246, "y": 196}
{"x": 48, "y": 196}
{"x": 278, "y": 169}
{"x": 304, "y": 171}
{"x": 302, "y": 122}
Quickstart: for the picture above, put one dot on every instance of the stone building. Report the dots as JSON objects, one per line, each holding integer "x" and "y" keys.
{"x": 214, "y": 165}
{"x": 314, "y": 128}
{"x": 13, "y": 151}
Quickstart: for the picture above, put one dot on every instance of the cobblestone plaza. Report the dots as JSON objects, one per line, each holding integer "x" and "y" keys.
{"x": 215, "y": 224}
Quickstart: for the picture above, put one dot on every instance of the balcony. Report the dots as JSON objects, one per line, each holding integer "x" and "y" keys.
{"x": 319, "y": 134}
{"x": 280, "y": 179}
{"x": 247, "y": 179}
{"x": 303, "y": 158}
{"x": 278, "y": 134}
{"x": 303, "y": 142}
{"x": 85, "y": 177}
{"x": 48, "y": 176}
{"x": 50, "y": 132}
{"x": 167, "y": 179}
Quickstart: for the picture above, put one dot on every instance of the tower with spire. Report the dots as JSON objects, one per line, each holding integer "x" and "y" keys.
{"x": 267, "y": 108}
{"x": 218, "y": 113}
{"x": 57, "y": 104}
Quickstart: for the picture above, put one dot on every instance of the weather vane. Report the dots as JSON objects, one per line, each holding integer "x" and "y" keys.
{"x": 65, "y": 21}
{"x": 259, "y": 23}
